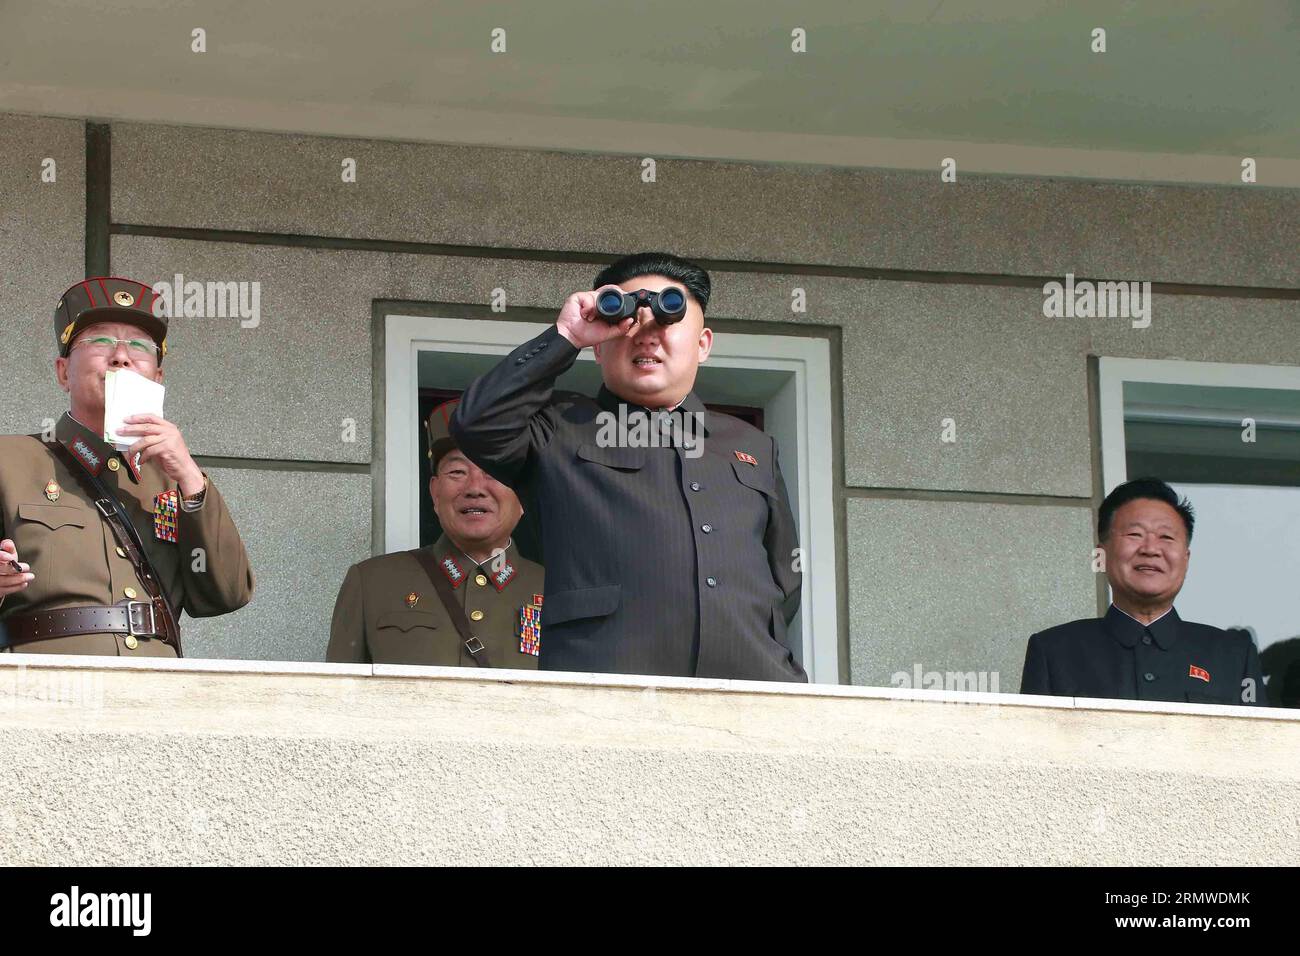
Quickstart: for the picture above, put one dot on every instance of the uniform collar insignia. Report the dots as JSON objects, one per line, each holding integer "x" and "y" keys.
{"x": 455, "y": 573}
{"x": 502, "y": 577}
{"x": 87, "y": 447}
{"x": 91, "y": 460}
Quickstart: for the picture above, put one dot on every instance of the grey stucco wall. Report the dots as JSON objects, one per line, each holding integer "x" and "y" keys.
{"x": 147, "y": 767}
{"x": 912, "y": 352}
{"x": 42, "y": 247}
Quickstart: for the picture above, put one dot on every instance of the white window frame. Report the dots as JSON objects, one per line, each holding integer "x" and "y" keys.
{"x": 1114, "y": 372}
{"x": 806, "y": 358}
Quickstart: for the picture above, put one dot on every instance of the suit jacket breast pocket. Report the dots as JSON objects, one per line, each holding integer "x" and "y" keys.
{"x": 753, "y": 477}
{"x": 621, "y": 459}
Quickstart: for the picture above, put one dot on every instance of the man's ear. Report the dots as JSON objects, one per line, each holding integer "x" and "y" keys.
{"x": 61, "y": 373}
{"x": 158, "y": 375}
{"x": 433, "y": 490}
{"x": 706, "y": 343}
{"x": 595, "y": 351}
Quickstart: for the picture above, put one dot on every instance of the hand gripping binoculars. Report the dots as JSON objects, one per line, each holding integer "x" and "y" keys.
{"x": 668, "y": 305}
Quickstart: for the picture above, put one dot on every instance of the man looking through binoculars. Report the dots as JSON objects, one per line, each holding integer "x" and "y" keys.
{"x": 666, "y": 560}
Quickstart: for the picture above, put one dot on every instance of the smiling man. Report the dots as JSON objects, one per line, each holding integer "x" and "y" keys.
{"x": 102, "y": 549}
{"x": 669, "y": 550}
{"x": 1142, "y": 649}
{"x": 468, "y": 600}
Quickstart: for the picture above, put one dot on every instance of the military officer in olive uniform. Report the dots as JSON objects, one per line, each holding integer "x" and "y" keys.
{"x": 469, "y": 600}
{"x": 101, "y": 550}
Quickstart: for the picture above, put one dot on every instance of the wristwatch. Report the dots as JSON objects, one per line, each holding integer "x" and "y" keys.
{"x": 195, "y": 501}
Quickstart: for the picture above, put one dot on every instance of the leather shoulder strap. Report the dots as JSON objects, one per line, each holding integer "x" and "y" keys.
{"x": 110, "y": 507}
{"x": 447, "y": 594}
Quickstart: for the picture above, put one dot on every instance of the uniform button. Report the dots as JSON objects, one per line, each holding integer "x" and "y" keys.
{"x": 695, "y": 486}
{"x": 1148, "y": 677}
{"x": 711, "y": 582}
{"x": 1146, "y": 638}
{"x": 706, "y": 528}
{"x": 519, "y": 361}
{"x": 121, "y": 552}
{"x": 131, "y": 643}
{"x": 480, "y": 579}
{"x": 476, "y": 615}
{"x": 129, "y": 592}
{"x": 113, "y": 464}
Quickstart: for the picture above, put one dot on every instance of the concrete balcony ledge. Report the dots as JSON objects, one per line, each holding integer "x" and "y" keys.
{"x": 115, "y": 761}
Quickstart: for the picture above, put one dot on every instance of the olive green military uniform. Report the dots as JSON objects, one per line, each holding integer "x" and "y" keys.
{"x": 52, "y": 519}
{"x": 388, "y": 611}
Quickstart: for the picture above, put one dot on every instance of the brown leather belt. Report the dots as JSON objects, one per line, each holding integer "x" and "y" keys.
{"x": 136, "y": 618}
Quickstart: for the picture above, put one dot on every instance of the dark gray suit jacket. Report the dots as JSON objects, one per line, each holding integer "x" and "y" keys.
{"x": 1171, "y": 660}
{"x": 656, "y": 562}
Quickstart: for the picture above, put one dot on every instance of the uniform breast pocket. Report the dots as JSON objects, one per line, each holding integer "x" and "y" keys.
{"x": 411, "y": 637}
{"x": 53, "y": 540}
{"x": 403, "y": 622}
{"x": 52, "y": 517}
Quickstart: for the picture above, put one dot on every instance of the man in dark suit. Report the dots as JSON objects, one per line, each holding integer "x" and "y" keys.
{"x": 669, "y": 544}
{"x": 1142, "y": 649}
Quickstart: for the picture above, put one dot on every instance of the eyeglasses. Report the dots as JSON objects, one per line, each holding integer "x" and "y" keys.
{"x": 106, "y": 345}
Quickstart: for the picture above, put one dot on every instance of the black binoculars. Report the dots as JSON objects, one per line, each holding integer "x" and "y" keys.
{"x": 668, "y": 305}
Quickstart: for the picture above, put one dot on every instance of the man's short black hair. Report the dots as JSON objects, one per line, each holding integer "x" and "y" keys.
{"x": 693, "y": 277}
{"x": 1143, "y": 488}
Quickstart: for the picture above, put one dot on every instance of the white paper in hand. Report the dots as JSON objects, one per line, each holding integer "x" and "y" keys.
{"x": 128, "y": 393}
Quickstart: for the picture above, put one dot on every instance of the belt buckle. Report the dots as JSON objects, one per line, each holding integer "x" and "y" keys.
{"x": 105, "y": 507}
{"x": 473, "y": 645}
{"x": 130, "y": 619}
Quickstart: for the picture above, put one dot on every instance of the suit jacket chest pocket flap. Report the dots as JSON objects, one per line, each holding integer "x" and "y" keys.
{"x": 754, "y": 477}
{"x": 622, "y": 459}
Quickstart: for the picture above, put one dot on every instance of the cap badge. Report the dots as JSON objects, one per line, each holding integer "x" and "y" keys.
{"x": 123, "y": 298}
{"x": 52, "y": 490}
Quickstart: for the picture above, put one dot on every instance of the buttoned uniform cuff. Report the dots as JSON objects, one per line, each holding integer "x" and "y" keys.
{"x": 196, "y": 502}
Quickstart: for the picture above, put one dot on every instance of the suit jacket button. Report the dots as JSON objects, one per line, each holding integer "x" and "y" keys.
{"x": 1146, "y": 638}
{"x": 476, "y": 615}
{"x": 695, "y": 486}
{"x": 706, "y": 528}
{"x": 1148, "y": 677}
{"x": 711, "y": 582}
{"x": 131, "y": 643}
{"x": 130, "y": 593}
{"x": 480, "y": 579}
